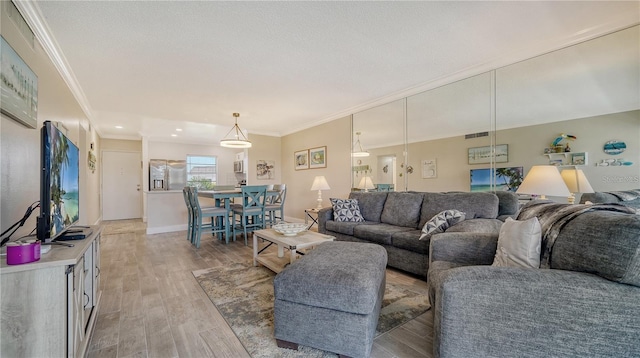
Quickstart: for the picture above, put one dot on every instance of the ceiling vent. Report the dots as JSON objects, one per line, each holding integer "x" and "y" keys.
{"x": 476, "y": 135}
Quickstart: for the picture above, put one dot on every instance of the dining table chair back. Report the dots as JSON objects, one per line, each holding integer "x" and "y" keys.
{"x": 186, "y": 193}
{"x": 250, "y": 213}
{"x": 274, "y": 209}
{"x": 217, "y": 223}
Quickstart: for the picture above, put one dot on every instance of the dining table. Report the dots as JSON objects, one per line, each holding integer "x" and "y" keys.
{"x": 226, "y": 195}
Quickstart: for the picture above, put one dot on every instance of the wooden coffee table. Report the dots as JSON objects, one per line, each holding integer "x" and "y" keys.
{"x": 276, "y": 262}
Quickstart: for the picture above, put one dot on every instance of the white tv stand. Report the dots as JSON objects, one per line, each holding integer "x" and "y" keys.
{"x": 49, "y": 307}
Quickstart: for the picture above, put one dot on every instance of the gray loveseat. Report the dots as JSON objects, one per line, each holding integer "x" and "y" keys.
{"x": 586, "y": 305}
{"x": 395, "y": 220}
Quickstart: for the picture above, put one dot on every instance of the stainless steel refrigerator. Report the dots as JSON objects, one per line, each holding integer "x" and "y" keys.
{"x": 167, "y": 174}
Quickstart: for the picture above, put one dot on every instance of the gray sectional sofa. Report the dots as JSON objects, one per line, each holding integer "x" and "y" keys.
{"x": 586, "y": 305}
{"x": 629, "y": 198}
{"x": 395, "y": 220}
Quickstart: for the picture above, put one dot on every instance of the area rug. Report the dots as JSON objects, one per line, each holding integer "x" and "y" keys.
{"x": 244, "y": 296}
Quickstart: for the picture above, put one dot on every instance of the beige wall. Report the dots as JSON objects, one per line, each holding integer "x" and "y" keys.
{"x": 20, "y": 146}
{"x": 121, "y": 145}
{"x": 336, "y": 136}
{"x": 264, "y": 148}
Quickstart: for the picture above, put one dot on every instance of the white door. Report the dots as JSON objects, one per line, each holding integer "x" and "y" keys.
{"x": 121, "y": 185}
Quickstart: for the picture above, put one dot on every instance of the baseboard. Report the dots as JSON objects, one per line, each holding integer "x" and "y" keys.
{"x": 99, "y": 221}
{"x": 161, "y": 229}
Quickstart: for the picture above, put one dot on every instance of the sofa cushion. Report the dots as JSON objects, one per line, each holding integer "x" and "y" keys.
{"x": 441, "y": 222}
{"x": 379, "y": 233}
{"x": 346, "y": 210}
{"x": 601, "y": 242}
{"x": 508, "y": 203}
{"x": 409, "y": 240}
{"x": 477, "y": 225}
{"x": 519, "y": 244}
{"x": 345, "y": 227}
{"x": 371, "y": 204}
{"x": 474, "y": 205}
{"x": 403, "y": 209}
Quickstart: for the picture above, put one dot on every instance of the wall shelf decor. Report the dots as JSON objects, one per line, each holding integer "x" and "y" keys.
{"x": 568, "y": 158}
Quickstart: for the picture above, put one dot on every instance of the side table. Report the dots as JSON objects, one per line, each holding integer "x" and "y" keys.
{"x": 311, "y": 214}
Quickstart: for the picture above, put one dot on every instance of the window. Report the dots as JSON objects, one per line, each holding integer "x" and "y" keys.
{"x": 202, "y": 171}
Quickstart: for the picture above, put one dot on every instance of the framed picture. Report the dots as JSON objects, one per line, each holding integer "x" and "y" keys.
{"x": 301, "y": 159}
{"x": 578, "y": 159}
{"x": 265, "y": 169}
{"x": 318, "y": 157}
{"x": 505, "y": 179}
{"x": 19, "y": 87}
{"x": 482, "y": 155}
{"x": 429, "y": 169}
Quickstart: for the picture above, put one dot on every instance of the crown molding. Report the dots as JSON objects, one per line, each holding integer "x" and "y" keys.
{"x": 33, "y": 16}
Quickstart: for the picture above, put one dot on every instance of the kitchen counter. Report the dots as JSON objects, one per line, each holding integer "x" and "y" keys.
{"x": 166, "y": 211}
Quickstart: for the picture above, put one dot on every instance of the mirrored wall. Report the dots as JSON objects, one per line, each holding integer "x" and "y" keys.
{"x": 585, "y": 97}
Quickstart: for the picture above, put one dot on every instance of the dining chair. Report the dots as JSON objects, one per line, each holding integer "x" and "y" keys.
{"x": 218, "y": 220}
{"x": 250, "y": 213}
{"x": 275, "y": 203}
{"x": 186, "y": 193}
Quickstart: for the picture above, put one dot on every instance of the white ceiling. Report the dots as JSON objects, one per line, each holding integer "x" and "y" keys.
{"x": 154, "y": 66}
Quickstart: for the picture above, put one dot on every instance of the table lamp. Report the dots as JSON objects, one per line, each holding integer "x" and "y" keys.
{"x": 543, "y": 180}
{"x": 320, "y": 184}
{"x": 577, "y": 182}
{"x": 366, "y": 183}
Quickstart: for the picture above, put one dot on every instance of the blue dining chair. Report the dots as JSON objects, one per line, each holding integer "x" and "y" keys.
{"x": 218, "y": 220}
{"x": 274, "y": 208}
{"x": 186, "y": 193}
{"x": 250, "y": 213}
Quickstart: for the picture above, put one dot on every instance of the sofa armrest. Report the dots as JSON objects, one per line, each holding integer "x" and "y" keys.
{"x": 467, "y": 248}
{"x": 486, "y": 311}
{"x": 324, "y": 215}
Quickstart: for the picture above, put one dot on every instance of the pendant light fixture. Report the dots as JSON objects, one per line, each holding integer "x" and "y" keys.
{"x": 357, "y": 151}
{"x": 238, "y": 140}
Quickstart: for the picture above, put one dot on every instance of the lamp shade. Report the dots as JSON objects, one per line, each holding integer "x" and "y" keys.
{"x": 357, "y": 151}
{"x": 366, "y": 183}
{"x": 543, "y": 180}
{"x": 576, "y": 181}
{"x": 320, "y": 183}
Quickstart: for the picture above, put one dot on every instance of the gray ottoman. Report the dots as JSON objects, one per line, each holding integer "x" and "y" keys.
{"x": 330, "y": 299}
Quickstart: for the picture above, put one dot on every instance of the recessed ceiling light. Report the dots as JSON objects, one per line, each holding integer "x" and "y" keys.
{"x": 119, "y": 127}
{"x": 174, "y": 135}
{"x": 178, "y": 129}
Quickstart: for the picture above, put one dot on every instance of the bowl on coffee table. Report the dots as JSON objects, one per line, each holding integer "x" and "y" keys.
{"x": 289, "y": 229}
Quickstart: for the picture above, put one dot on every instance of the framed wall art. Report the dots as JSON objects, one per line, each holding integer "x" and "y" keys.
{"x": 318, "y": 157}
{"x": 505, "y": 179}
{"x": 265, "y": 169}
{"x": 19, "y": 87}
{"x": 301, "y": 159}
{"x": 482, "y": 155}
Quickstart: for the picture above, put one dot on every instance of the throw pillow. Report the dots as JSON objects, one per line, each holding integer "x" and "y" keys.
{"x": 346, "y": 210}
{"x": 519, "y": 244}
{"x": 441, "y": 222}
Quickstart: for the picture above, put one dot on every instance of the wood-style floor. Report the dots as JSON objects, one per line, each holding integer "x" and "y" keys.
{"x": 152, "y": 305}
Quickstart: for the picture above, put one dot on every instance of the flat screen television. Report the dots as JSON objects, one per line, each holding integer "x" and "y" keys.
{"x": 59, "y": 179}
